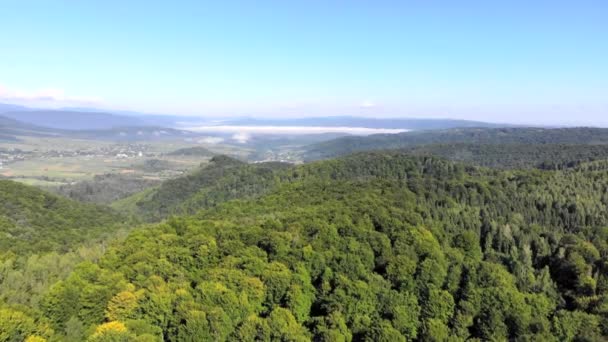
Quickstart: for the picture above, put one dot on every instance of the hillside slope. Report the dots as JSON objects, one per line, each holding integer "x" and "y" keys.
{"x": 10, "y": 129}
{"x": 37, "y": 221}
{"x": 371, "y": 247}
{"x": 515, "y": 156}
{"x": 74, "y": 120}
{"x": 105, "y": 189}
{"x": 196, "y": 151}
{"x": 526, "y": 136}
{"x": 224, "y": 178}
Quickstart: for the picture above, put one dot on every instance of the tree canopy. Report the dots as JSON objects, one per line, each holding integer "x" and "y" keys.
{"x": 371, "y": 247}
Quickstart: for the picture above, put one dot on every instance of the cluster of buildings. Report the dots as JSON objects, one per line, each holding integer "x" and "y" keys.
{"x": 8, "y": 156}
{"x": 12, "y": 155}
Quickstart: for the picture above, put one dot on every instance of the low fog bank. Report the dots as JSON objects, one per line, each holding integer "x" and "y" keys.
{"x": 291, "y": 130}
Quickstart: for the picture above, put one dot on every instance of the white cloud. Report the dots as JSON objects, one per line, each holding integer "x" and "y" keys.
{"x": 210, "y": 140}
{"x": 367, "y": 104}
{"x": 47, "y": 97}
{"x": 241, "y": 137}
{"x": 243, "y": 133}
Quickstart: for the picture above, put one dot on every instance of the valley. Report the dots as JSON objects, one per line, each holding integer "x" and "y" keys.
{"x": 371, "y": 246}
{"x": 418, "y": 235}
{"x": 439, "y": 234}
{"x": 63, "y": 161}
{"x": 303, "y": 171}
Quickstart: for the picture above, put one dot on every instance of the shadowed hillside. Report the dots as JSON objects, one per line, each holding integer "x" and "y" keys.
{"x": 374, "y": 246}
{"x": 34, "y": 220}
{"x": 532, "y": 136}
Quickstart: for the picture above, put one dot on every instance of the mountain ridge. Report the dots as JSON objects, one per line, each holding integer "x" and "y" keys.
{"x": 68, "y": 120}
{"x": 476, "y": 135}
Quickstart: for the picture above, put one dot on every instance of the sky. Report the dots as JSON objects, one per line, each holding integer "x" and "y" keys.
{"x": 500, "y": 61}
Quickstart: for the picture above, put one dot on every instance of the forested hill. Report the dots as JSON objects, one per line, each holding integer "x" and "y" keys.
{"x": 527, "y": 136}
{"x": 226, "y": 178}
{"x": 32, "y": 220}
{"x": 10, "y": 129}
{"x": 223, "y": 179}
{"x": 197, "y": 151}
{"x": 515, "y": 156}
{"x": 370, "y": 247}
{"x": 105, "y": 189}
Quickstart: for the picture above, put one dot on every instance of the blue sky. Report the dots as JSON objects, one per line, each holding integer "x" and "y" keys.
{"x": 509, "y": 61}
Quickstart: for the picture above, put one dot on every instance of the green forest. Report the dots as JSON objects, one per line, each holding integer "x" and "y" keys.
{"x": 530, "y": 140}
{"x": 373, "y": 246}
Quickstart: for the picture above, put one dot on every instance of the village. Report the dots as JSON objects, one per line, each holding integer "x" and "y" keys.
{"x": 117, "y": 151}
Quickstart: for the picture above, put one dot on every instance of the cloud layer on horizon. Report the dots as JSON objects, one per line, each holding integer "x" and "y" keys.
{"x": 47, "y": 97}
{"x": 244, "y": 132}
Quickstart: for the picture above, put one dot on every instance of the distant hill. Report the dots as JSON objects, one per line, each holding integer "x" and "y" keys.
{"x": 515, "y": 156}
{"x": 11, "y": 129}
{"x": 196, "y": 151}
{"x": 165, "y": 120}
{"x": 6, "y": 107}
{"x": 223, "y": 179}
{"x": 132, "y": 134}
{"x": 105, "y": 188}
{"x": 74, "y": 120}
{"x": 35, "y": 220}
{"x": 226, "y": 178}
{"x": 346, "y": 145}
{"x": 128, "y": 118}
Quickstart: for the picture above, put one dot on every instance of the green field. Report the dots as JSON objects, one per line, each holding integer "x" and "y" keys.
{"x": 59, "y": 161}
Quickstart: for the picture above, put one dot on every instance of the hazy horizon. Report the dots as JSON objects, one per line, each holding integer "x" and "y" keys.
{"x": 531, "y": 120}
{"x": 521, "y": 63}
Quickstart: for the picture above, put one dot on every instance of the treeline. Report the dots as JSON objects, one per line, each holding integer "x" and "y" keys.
{"x": 195, "y": 151}
{"x": 32, "y": 220}
{"x": 516, "y": 156}
{"x": 370, "y": 247}
{"x": 476, "y": 136}
{"x": 225, "y": 179}
{"x": 106, "y": 188}
{"x": 222, "y": 179}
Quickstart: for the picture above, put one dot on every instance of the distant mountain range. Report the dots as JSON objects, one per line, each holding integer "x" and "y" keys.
{"x": 87, "y": 118}
{"x": 6, "y": 107}
{"x": 11, "y": 130}
{"x": 74, "y": 120}
{"x": 96, "y": 119}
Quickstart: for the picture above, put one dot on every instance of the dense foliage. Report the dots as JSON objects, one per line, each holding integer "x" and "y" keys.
{"x": 106, "y": 188}
{"x": 195, "y": 151}
{"x": 477, "y": 136}
{"x": 222, "y": 179}
{"x": 225, "y": 178}
{"x": 370, "y": 247}
{"x": 516, "y": 156}
{"x": 32, "y": 220}
{"x": 42, "y": 238}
